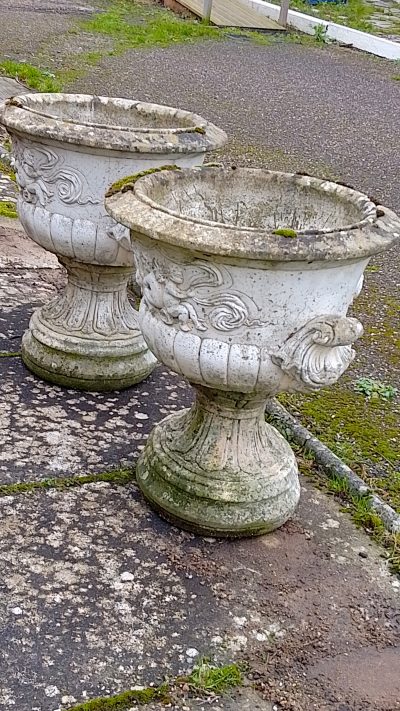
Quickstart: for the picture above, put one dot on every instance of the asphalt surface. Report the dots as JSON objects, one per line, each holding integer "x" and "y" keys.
{"x": 328, "y": 106}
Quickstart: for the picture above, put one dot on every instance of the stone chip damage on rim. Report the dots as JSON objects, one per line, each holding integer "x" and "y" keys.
{"x": 111, "y": 123}
{"x": 332, "y": 220}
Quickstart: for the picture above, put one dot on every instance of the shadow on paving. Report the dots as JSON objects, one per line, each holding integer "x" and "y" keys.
{"x": 48, "y": 431}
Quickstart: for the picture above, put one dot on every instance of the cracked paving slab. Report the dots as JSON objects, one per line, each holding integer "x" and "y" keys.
{"x": 99, "y": 595}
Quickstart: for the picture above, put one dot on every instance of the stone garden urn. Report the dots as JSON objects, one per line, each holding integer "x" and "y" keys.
{"x": 68, "y": 149}
{"x": 247, "y": 276}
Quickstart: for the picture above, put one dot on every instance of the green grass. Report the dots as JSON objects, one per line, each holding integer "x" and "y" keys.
{"x": 207, "y": 677}
{"x": 8, "y": 209}
{"x": 6, "y": 169}
{"x": 355, "y": 13}
{"x": 31, "y": 76}
{"x": 133, "y": 26}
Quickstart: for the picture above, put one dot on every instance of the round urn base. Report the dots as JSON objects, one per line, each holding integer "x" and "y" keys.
{"x": 88, "y": 336}
{"x": 218, "y": 469}
{"x": 89, "y": 371}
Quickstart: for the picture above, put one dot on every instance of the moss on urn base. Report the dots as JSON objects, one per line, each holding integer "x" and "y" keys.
{"x": 220, "y": 471}
{"x": 83, "y": 371}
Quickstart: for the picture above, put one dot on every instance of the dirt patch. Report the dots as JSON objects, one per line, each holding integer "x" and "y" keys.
{"x": 351, "y": 673}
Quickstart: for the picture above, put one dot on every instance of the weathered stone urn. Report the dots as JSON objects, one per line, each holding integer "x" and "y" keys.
{"x": 247, "y": 276}
{"x": 68, "y": 149}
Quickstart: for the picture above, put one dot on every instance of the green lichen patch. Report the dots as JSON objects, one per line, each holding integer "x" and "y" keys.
{"x": 127, "y": 183}
{"x": 8, "y": 209}
{"x": 285, "y": 232}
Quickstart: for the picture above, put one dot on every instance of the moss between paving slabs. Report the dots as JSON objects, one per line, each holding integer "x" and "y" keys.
{"x": 118, "y": 477}
{"x": 124, "y": 701}
{"x": 206, "y": 679}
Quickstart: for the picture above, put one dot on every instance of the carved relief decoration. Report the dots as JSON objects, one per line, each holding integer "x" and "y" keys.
{"x": 195, "y": 296}
{"x": 319, "y": 353}
{"x": 42, "y": 176}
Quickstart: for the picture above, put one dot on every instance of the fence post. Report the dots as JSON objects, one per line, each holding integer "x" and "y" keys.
{"x": 207, "y": 10}
{"x": 283, "y": 14}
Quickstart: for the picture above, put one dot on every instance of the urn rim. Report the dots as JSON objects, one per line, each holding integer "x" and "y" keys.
{"x": 376, "y": 230}
{"x": 52, "y": 116}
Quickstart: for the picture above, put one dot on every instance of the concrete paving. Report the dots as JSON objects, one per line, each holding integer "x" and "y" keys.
{"x": 97, "y": 594}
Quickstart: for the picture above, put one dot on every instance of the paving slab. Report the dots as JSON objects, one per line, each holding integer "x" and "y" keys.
{"x": 99, "y": 595}
{"x": 10, "y": 87}
{"x": 47, "y": 431}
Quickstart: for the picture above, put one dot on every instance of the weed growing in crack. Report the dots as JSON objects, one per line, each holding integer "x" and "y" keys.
{"x": 208, "y": 677}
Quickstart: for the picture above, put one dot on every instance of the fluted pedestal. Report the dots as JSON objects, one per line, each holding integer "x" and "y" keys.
{"x": 88, "y": 336}
{"x": 219, "y": 469}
